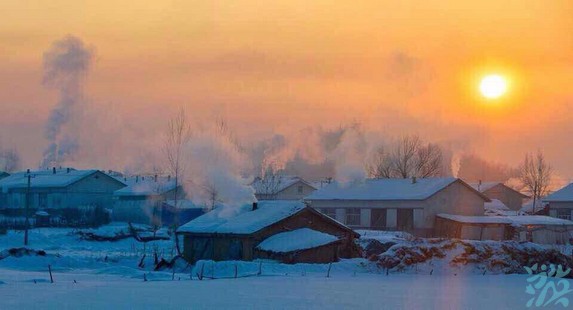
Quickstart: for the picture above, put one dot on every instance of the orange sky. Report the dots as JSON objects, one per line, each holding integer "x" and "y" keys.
{"x": 396, "y": 66}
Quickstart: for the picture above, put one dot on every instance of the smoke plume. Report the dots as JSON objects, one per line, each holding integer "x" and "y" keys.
{"x": 66, "y": 64}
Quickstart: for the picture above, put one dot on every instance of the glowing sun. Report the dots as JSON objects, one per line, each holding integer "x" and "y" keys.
{"x": 493, "y": 86}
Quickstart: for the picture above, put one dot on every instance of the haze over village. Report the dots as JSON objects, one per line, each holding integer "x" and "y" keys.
{"x": 385, "y": 148}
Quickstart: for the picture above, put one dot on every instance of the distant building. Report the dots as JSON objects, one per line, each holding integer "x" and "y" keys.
{"x": 560, "y": 203}
{"x": 532, "y": 228}
{"x": 57, "y": 189}
{"x": 397, "y": 204}
{"x": 496, "y": 190}
{"x": 183, "y": 212}
{"x": 140, "y": 201}
{"x": 282, "y": 188}
{"x": 4, "y": 174}
{"x": 287, "y": 231}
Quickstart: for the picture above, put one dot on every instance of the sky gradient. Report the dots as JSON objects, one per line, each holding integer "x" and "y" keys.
{"x": 397, "y": 67}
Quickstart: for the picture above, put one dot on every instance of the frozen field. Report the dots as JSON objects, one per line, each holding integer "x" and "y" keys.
{"x": 312, "y": 291}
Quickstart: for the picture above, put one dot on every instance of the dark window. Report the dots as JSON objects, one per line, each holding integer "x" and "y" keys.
{"x": 330, "y": 212}
{"x": 564, "y": 214}
{"x": 353, "y": 216}
{"x": 42, "y": 200}
{"x": 405, "y": 219}
{"x": 378, "y": 218}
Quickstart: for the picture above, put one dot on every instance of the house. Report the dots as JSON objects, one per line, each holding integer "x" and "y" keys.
{"x": 258, "y": 231}
{"x": 54, "y": 190}
{"x": 282, "y": 188}
{"x": 397, "y": 204}
{"x": 560, "y": 203}
{"x": 140, "y": 201}
{"x": 498, "y": 208}
{"x": 181, "y": 212}
{"x": 532, "y": 228}
{"x": 497, "y": 190}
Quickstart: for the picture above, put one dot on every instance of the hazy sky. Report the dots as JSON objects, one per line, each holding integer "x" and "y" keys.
{"x": 279, "y": 66}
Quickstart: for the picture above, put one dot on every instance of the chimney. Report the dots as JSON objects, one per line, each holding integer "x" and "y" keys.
{"x": 155, "y": 178}
{"x": 168, "y": 178}
{"x": 136, "y": 178}
{"x": 414, "y": 180}
{"x": 479, "y": 185}
{"x": 54, "y": 170}
{"x": 255, "y": 206}
{"x": 142, "y": 178}
{"x": 28, "y": 171}
{"x": 68, "y": 170}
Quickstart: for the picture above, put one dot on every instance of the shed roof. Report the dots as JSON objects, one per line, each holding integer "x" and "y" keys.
{"x": 45, "y": 178}
{"x": 296, "y": 240}
{"x": 509, "y": 220}
{"x": 563, "y": 195}
{"x": 485, "y": 186}
{"x": 386, "y": 189}
{"x": 242, "y": 220}
{"x": 282, "y": 183}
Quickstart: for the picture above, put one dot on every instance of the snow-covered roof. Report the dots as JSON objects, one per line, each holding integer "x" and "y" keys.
{"x": 146, "y": 186}
{"x": 563, "y": 195}
{"x": 484, "y": 186}
{"x": 509, "y": 220}
{"x": 296, "y": 240}
{"x": 496, "y": 207}
{"x": 242, "y": 220}
{"x": 277, "y": 185}
{"x": 383, "y": 189}
{"x": 44, "y": 178}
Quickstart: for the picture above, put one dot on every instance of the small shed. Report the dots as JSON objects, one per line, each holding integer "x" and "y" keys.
{"x": 302, "y": 245}
{"x": 234, "y": 233}
{"x": 510, "y": 197}
{"x": 182, "y": 212}
{"x": 533, "y": 228}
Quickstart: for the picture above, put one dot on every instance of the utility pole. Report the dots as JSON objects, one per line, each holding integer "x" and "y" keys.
{"x": 27, "y": 223}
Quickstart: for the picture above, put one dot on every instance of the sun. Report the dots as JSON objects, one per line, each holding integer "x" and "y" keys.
{"x": 493, "y": 86}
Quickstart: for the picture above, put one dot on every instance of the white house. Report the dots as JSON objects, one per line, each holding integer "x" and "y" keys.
{"x": 561, "y": 203}
{"x": 55, "y": 189}
{"x": 397, "y": 204}
{"x": 282, "y": 188}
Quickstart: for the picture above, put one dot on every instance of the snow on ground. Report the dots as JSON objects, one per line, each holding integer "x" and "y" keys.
{"x": 107, "y": 274}
{"x": 310, "y": 291}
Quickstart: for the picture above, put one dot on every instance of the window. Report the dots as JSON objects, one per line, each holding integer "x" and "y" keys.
{"x": 300, "y": 189}
{"x": 353, "y": 216}
{"x": 330, "y": 212}
{"x": 564, "y": 214}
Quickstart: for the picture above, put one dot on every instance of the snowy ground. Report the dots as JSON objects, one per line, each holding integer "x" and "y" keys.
{"x": 311, "y": 291}
{"x": 100, "y": 275}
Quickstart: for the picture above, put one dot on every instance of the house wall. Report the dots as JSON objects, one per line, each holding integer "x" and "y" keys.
{"x": 454, "y": 199}
{"x": 561, "y": 207}
{"x": 508, "y": 196}
{"x": 289, "y": 193}
{"x": 319, "y": 255}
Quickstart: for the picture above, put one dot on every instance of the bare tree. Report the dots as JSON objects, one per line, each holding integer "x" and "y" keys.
{"x": 536, "y": 175}
{"x": 410, "y": 157}
{"x": 269, "y": 184}
{"x": 380, "y": 166}
{"x": 178, "y": 134}
{"x": 9, "y": 160}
